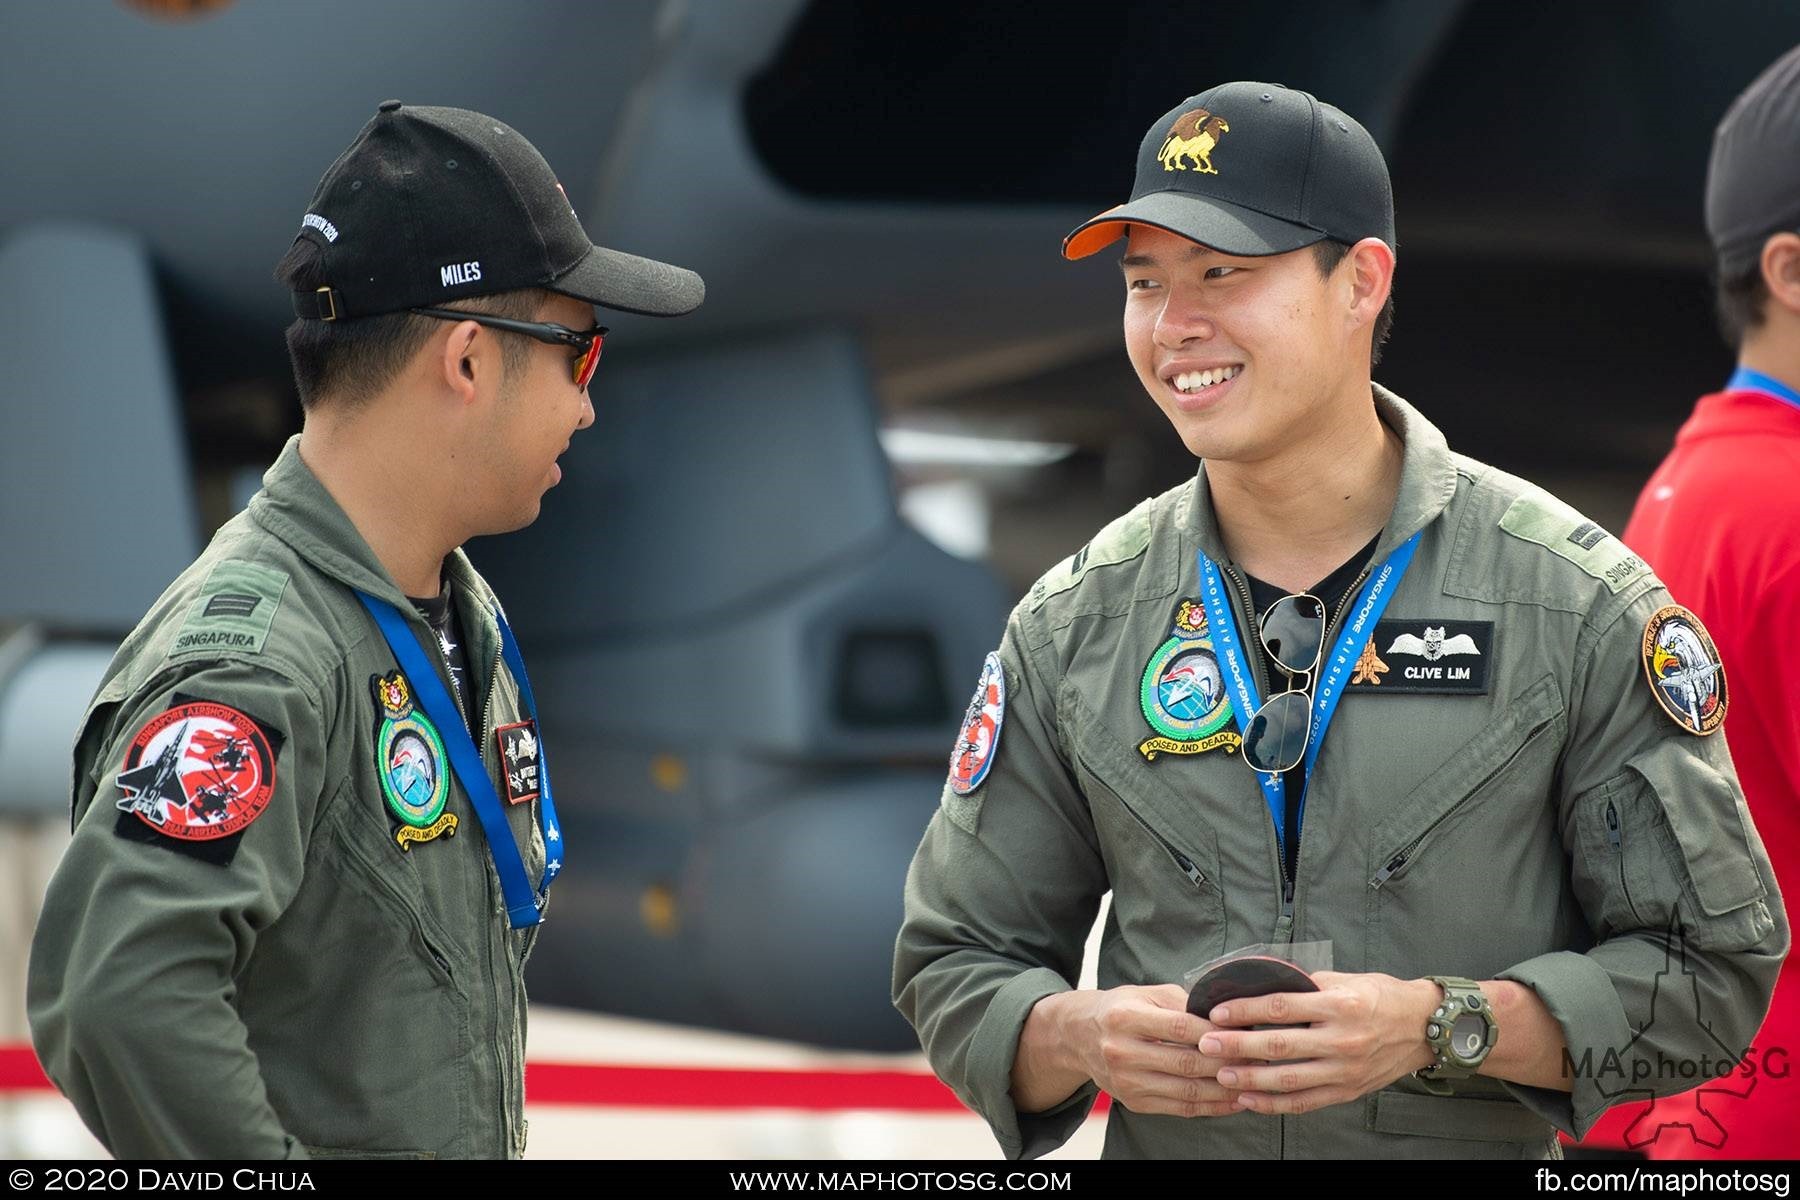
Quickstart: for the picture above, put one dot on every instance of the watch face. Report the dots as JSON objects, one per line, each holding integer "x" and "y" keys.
{"x": 1468, "y": 1036}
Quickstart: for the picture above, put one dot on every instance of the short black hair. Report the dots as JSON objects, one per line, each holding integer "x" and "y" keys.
{"x": 1327, "y": 255}
{"x": 349, "y": 361}
{"x": 1740, "y": 300}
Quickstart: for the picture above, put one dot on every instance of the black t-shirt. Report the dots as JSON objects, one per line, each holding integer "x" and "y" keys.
{"x": 1331, "y": 590}
{"x": 440, "y": 613}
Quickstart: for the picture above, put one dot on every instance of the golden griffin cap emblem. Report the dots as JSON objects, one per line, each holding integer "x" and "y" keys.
{"x": 1193, "y": 137}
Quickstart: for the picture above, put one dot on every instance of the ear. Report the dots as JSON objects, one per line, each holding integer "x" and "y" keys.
{"x": 1371, "y": 278}
{"x": 1781, "y": 270}
{"x": 460, "y": 361}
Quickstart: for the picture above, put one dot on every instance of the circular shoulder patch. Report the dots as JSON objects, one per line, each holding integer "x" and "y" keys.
{"x": 1684, "y": 670}
{"x": 198, "y": 771}
{"x": 980, "y": 735}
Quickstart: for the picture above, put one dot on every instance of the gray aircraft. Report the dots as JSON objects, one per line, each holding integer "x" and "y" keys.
{"x": 751, "y": 664}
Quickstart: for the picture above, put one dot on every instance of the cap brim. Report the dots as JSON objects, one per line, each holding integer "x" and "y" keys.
{"x": 624, "y": 282}
{"x": 1226, "y": 227}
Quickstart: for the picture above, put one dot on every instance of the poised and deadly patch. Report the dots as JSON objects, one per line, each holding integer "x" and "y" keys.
{"x": 1684, "y": 670}
{"x": 412, "y": 765}
{"x": 198, "y": 772}
{"x": 235, "y": 610}
{"x": 980, "y": 736}
{"x": 1425, "y": 657}
{"x": 1183, "y": 692}
{"x": 519, "y": 760}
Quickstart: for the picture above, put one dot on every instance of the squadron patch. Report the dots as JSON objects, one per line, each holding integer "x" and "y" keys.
{"x": 1684, "y": 670}
{"x": 1183, "y": 691}
{"x": 195, "y": 776}
{"x": 519, "y": 760}
{"x": 1423, "y": 656}
{"x": 411, "y": 763}
{"x": 980, "y": 736}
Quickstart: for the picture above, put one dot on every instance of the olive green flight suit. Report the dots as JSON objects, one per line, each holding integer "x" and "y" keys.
{"x": 1553, "y": 830}
{"x": 325, "y": 991}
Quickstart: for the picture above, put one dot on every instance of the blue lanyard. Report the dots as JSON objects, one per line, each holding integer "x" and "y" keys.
{"x": 1745, "y": 380}
{"x": 1371, "y": 602}
{"x": 523, "y": 909}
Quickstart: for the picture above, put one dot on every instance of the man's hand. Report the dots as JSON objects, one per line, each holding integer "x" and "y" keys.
{"x": 1362, "y": 1033}
{"x": 1139, "y": 1044}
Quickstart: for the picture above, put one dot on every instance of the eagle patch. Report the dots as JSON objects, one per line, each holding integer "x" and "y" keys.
{"x": 1684, "y": 670}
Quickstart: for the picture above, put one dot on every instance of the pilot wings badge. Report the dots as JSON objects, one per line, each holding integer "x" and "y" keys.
{"x": 1434, "y": 645}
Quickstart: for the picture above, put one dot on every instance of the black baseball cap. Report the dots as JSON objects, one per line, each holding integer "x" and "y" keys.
{"x": 1753, "y": 180}
{"x": 1252, "y": 169}
{"x": 433, "y": 204}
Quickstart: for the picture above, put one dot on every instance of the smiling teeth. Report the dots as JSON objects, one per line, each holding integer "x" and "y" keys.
{"x": 1193, "y": 381}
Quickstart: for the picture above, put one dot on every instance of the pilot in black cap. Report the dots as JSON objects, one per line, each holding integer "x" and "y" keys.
{"x": 430, "y": 205}
{"x": 1252, "y": 169}
{"x": 1753, "y": 181}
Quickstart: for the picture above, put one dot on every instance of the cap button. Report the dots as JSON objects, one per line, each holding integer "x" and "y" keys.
{"x": 388, "y": 105}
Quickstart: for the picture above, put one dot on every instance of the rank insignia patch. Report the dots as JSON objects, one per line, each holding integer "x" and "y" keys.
{"x": 519, "y": 760}
{"x": 980, "y": 736}
{"x": 412, "y": 765}
{"x": 1684, "y": 670}
{"x": 197, "y": 774}
{"x": 1183, "y": 692}
{"x": 1425, "y": 657}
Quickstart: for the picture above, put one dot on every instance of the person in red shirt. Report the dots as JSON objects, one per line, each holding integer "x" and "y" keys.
{"x": 1719, "y": 521}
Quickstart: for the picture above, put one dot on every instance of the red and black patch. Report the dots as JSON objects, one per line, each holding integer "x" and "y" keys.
{"x": 195, "y": 776}
{"x": 520, "y": 760}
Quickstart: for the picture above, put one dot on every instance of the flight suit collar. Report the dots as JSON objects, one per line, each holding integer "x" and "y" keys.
{"x": 1427, "y": 481}
{"x": 297, "y": 508}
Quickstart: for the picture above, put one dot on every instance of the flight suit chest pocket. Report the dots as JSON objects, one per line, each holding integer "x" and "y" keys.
{"x": 1480, "y": 827}
{"x": 1161, "y": 856}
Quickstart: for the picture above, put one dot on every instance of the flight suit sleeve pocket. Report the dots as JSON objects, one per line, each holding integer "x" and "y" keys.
{"x": 1665, "y": 843}
{"x": 1705, "y": 812}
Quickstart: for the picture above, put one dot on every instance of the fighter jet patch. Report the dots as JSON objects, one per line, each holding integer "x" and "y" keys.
{"x": 1425, "y": 657}
{"x": 980, "y": 736}
{"x": 194, "y": 778}
{"x": 413, "y": 768}
{"x": 1183, "y": 692}
{"x": 1684, "y": 671}
{"x": 234, "y": 611}
{"x": 519, "y": 760}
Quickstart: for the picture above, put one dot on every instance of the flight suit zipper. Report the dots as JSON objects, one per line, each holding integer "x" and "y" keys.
{"x": 1615, "y": 837}
{"x": 502, "y": 1042}
{"x": 479, "y": 734}
{"x": 1254, "y": 660}
{"x": 1285, "y": 926}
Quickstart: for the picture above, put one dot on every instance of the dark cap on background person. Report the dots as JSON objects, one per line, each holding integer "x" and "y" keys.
{"x": 430, "y": 205}
{"x": 1753, "y": 180}
{"x": 1252, "y": 169}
